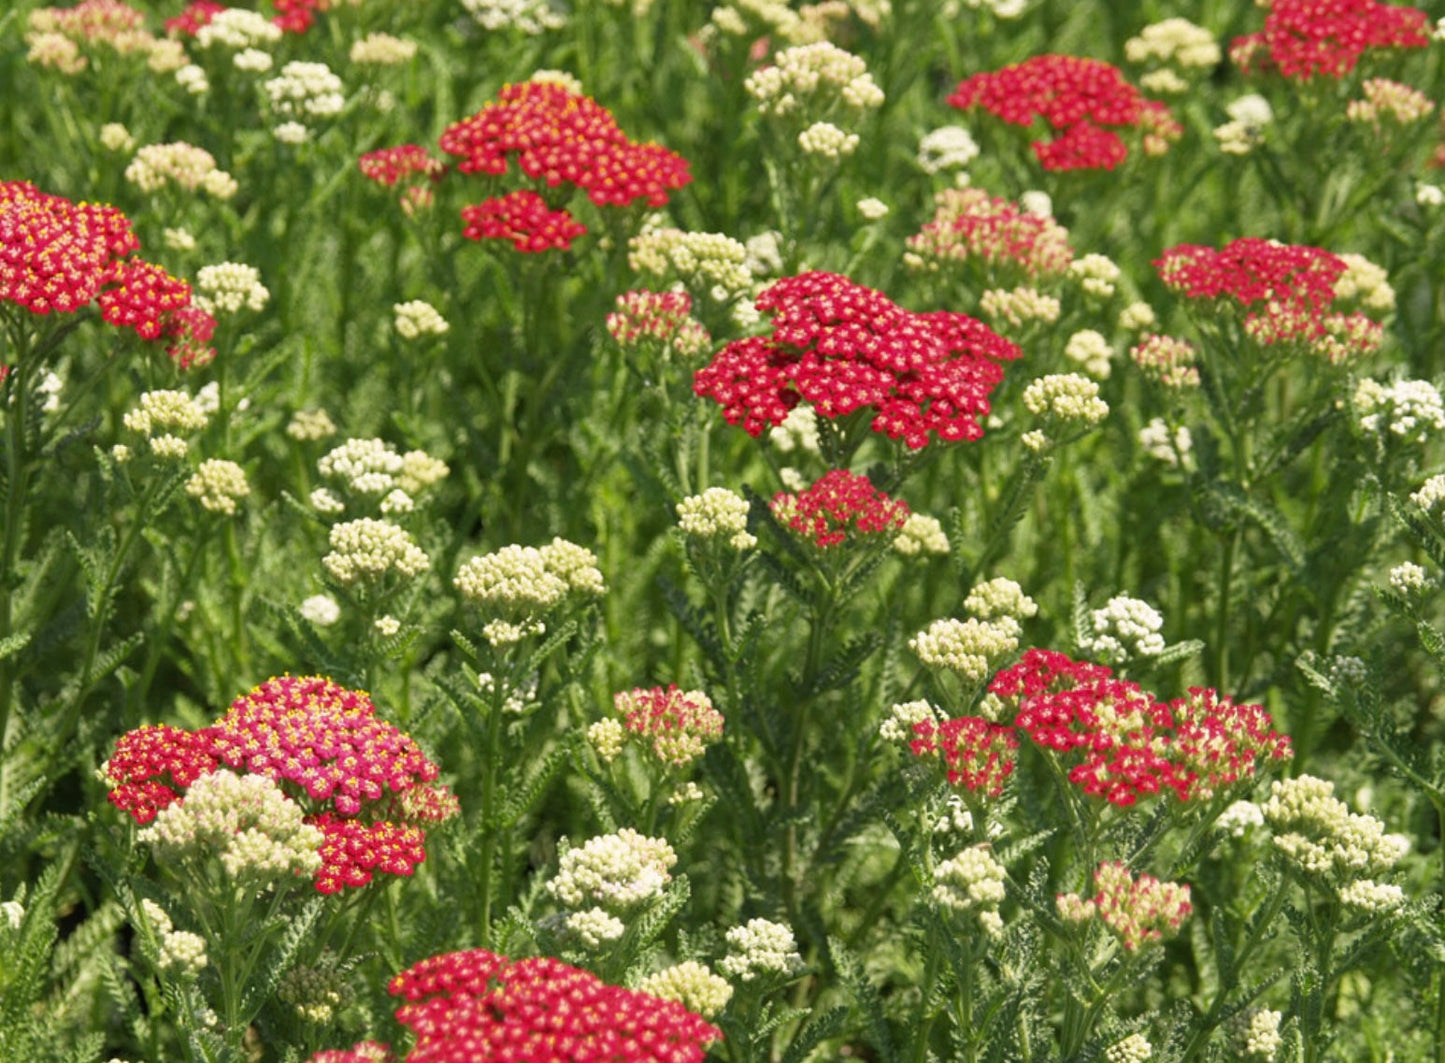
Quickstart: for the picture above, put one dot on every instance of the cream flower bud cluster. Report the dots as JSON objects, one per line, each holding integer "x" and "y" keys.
{"x": 751, "y": 18}
{"x": 1318, "y": 833}
{"x": 570, "y": 82}
{"x": 716, "y": 514}
{"x": 1166, "y": 360}
{"x": 256, "y": 830}
{"x": 1000, "y": 597}
{"x": 55, "y": 51}
{"x": 366, "y": 550}
{"x": 1156, "y": 441}
{"x": 1244, "y": 131}
{"x": 1019, "y": 305}
{"x": 1138, "y": 316}
{"x": 797, "y": 431}
{"x": 318, "y": 994}
{"x": 872, "y": 208}
{"x": 1389, "y": 99}
{"x": 418, "y": 318}
{"x": 1124, "y": 629}
{"x": 373, "y": 467}
{"x": 193, "y": 79}
{"x": 1261, "y": 1038}
{"x": 1069, "y": 400}
{"x": 1430, "y": 494}
{"x": 899, "y": 725}
{"x": 116, "y": 137}
{"x": 949, "y": 147}
{"x": 179, "y": 239}
{"x": 968, "y": 647}
{"x": 826, "y": 139}
{"x": 253, "y": 61}
{"x": 971, "y": 880}
{"x": 523, "y": 583}
{"x": 921, "y": 534}
{"x": 531, "y": 17}
{"x": 519, "y": 698}
{"x": 308, "y": 426}
{"x": 1133, "y": 1049}
{"x": 227, "y": 287}
{"x": 814, "y": 78}
{"x": 1096, "y": 274}
{"x": 1372, "y": 897}
{"x": 182, "y": 164}
{"x": 692, "y": 985}
{"x": 1428, "y": 195}
{"x": 236, "y": 28}
{"x": 595, "y": 926}
{"x": 1408, "y": 579}
{"x": 320, "y": 610}
{"x": 382, "y": 49}
{"x": 619, "y": 871}
{"x": 1409, "y": 409}
{"x": 607, "y": 739}
{"x": 12, "y": 914}
{"x": 217, "y": 485}
{"x": 1174, "y": 40}
{"x": 1238, "y": 818}
{"x": 181, "y": 952}
{"x": 761, "y": 949}
{"x": 1091, "y": 352}
{"x": 305, "y": 90}
{"x": 709, "y": 259}
{"x": 1366, "y": 283}
{"x": 160, "y": 415}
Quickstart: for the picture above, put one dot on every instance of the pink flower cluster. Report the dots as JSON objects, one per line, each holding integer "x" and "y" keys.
{"x": 1138, "y": 910}
{"x": 475, "y": 1005}
{"x": 1305, "y": 38}
{"x": 837, "y": 506}
{"x": 979, "y": 754}
{"x": 324, "y": 743}
{"x": 968, "y": 223}
{"x": 1077, "y": 98}
{"x": 843, "y": 347}
{"x": 1286, "y": 290}
{"x": 292, "y": 16}
{"x": 1129, "y": 745}
{"x": 58, "y": 257}
{"x": 681, "y": 723}
{"x": 665, "y": 317}
{"x": 557, "y": 138}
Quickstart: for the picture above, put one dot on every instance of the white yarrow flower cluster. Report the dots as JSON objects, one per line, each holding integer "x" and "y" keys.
{"x": 619, "y": 871}
{"x": 1000, "y": 597}
{"x": 305, "y": 90}
{"x": 1408, "y": 579}
{"x": 320, "y": 609}
{"x": 1096, "y": 274}
{"x": 418, "y": 318}
{"x": 382, "y": 49}
{"x": 921, "y": 534}
{"x": 116, "y": 137}
{"x": 522, "y": 584}
{"x": 1372, "y": 898}
{"x": 969, "y": 647}
{"x": 761, "y": 949}
{"x": 182, "y": 164}
{"x": 1261, "y": 1038}
{"x": 1066, "y": 400}
{"x": 797, "y": 431}
{"x": 972, "y": 880}
{"x": 1244, "y": 131}
{"x": 252, "y": 61}
{"x": 372, "y": 467}
{"x": 367, "y": 550}
{"x": 826, "y": 139}
{"x": 227, "y": 287}
{"x": 1157, "y": 442}
{"x": 236, "y": 28}
{"x": 12, "y": 914}
{"x": 692, "y": 985}
{"x": 1320, "y": 836}
{"x": 872, "y": 208}
{"x": 1430, "y": 494}
{"x": 815, "y": 79}
{"x": 181, "y": 952}
{"x": 1408, "y": 409}
{"x": 705, "y": 260}
{"x": 217, "y": 485}
{"x": 193, "y": 79}
{"x": 1365, "y": 283}
{"x": 161, "y": 415}
{"x": 949, "y": 147}
{"x": 716, "y": 514}
{"x": 1237, "y": 820}
{"x": 258, "y": 833}
{"x": 1019, "y": 306}
{"x": 310, "y": 426}
{"x": 1091, "y": 352}
{"x": 531, "y": 17}
{"x": 1124, "y": 629}
{"x": 1133, "y": 1049}
{"x": 595, "y": 927}
{"x": 1174, "y": 40}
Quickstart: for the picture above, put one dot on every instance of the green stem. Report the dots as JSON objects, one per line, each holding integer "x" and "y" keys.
{"x": 490, "y": 771}
{"x": 817, "y": 635}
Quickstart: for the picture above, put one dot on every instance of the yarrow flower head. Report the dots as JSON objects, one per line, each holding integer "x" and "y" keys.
{"x": 841, "y": 347}
{"x": 969, "y": 226}
{"x": 839, "y": 506}
{"x": 1066, "y": 401}
{"x": 1123, "y": 630}
{"x": 1407, "y": 410}
{"x": 218, "y": 485}
{"x": 969, "y": 647}
{"x": 1303, "y": 39}
{"x": 1319, "y": 836}
{"x": 972, "y": 881}
{"x": 949, "y": 147}
{"x": 305, "y": 90}
{"x": 644, "y": 318}
{"x": 692, "y": 985}
{"x": 522, "y": 585}
{"x": 1139, "y": 911}
{"x": 418, "y": 318}
{"x": 700, "y": 260}
{"x": 681, "y": 724}
{"x": 226, "y": 288}
{"x": 978, "y": 755}
{"x": 814, "y": 81}
{"x": 531, "y": 17}
{"x": 1078, "y": 99}
{"x": 716, "y": 515}
{"x": 188, "y": 167}
{"x": 364, "y": 552}
{"x": 1091, "y": 352}
{"x": 1166, "y": 360}
{"x": 761, "y": 949}
{"x": 620, "y": 871}
{"x": 921, "y": 534}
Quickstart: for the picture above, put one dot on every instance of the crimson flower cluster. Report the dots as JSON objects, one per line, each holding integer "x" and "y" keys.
{"x": 471, "y": 1005}
{"x": 1128, "y": 744}
{"x": 367, "y": 782}
{"x": 58, "y": 257}
{"x": 836, "y": 505}
{"x": 843, "y": 347}
{"x": 1303, "y": 39}
{"x": 387, "y": 166}
{"x": 1078, "y": 98}
{"x": 979, "y": 754}
{"x": 1286, "y": 289}
{"x": 557, "y": 138}
{"x": 292, "y": 16}
{"x": 196, "y": 14}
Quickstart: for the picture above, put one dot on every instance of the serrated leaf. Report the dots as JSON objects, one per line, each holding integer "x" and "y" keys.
{"x": 1180, "y": 651}
{"x": 819, "y": 1029}
{"x": 842, "y": 668}
{"x": 1269, "y": 520}
{"x": 524, "y": 797}
{"x": 870, "y": 1003}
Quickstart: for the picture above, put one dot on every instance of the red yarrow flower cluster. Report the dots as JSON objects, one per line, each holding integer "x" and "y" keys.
{"x": 296, "y": 16}
{"x": 1138, "y": 910}
{"x": 1286, "y": 290}
{"x": 680, "y": 723}
{"x": 1303, "y": 39}
{"x": 969, "y": 224}
{"x": 980, "y": 755}
{"x": 1129, "y": 745}
{"x": 524, "y": 218}
{"x": 196, "y": 14}
{"x": 58, "y": 257}
{"x": 664, "y": 317}
{"x": 842, "y": 347}
{"x": 1078, "y": 98}
{"x": 366, "y": 785}
{"x": 839, "y": 506}
{"x": 389, "y": 165}
{"x": 474, "y": 1005}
